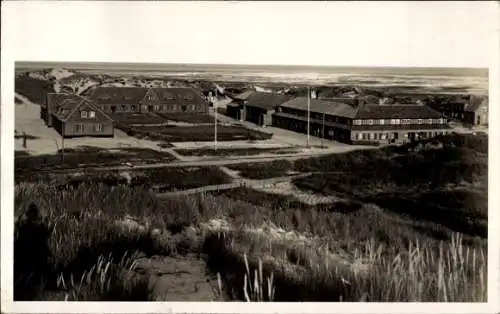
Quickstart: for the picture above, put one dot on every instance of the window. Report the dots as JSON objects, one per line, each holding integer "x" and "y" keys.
{"x": 370, "y": 122}
{"x": 83, "y": 114}
{"x": 78, "y": 128}
{"x": 405, "y": 121}
{"x": 133, "y": 107}
{"x": 383, "y": 136}
{"x": 157, "y": 108}
{"x": 91, "y": 114}
{"x": 123, "y": 107}
{"x": 371, "y": 136}
{"x": 358, "y": 136}
{"x": 382, "y": 121}
{"x": 429, "y": 121}
{"x": 357, "y": 122}
{"x": 420, "y": 121}
{"x": 395, "y": 121}
{"x": 98, "y": 127}
{"x": 375, "y": 136}
{"x": 174, "y": 107}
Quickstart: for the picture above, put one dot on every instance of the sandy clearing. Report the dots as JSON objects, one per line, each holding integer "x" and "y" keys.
{"x": 287, "y": 188}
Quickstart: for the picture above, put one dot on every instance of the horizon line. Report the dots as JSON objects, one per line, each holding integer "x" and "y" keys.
{"x": 23, "y": 64}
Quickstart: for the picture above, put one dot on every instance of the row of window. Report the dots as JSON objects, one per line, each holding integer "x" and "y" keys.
{"x": 80, "y": 128}
{"x": 390, "y": 136}
{"x": 398, "y": 121}
{"x": 157, "y": 108}
{"x": 171, "y": 97}
{"x": 87, "y": 114}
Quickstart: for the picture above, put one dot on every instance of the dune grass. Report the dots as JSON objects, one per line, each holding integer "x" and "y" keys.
{"x": 309, "y": 255}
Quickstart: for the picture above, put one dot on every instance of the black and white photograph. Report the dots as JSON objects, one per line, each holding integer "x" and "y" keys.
{"x": 252, "y": 152}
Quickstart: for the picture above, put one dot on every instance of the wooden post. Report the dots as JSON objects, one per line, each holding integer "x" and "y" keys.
{"x": 24, "y": 140}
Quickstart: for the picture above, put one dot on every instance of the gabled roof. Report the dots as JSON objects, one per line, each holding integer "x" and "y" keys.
{"x": 88, "y": 102}
{"x": 117, "y": 95}
{"x": 180, "y": 93}
{"x": 244, "y": 95}
{"x": 335, "y": 108}
{"x": 267, "y": 101}
{"x": 396, "y": 111}
{"x": 64, "y": 109}
{"x": 63, "y": 105}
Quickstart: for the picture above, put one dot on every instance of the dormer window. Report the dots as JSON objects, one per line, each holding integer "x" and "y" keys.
{"x": 83, "y": 114}
{"x": 91, "y": 114}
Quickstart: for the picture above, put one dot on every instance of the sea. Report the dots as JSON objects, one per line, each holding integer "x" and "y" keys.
{"x": 443, "y": 79}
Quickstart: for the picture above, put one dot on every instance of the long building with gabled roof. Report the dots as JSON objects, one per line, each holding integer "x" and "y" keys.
{"x": 361, "y": 123}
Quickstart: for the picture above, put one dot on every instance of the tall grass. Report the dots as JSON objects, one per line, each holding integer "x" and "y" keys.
{"x": 279, "y": 254}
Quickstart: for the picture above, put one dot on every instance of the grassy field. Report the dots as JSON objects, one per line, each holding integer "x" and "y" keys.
{"x": 137, "y": 118}
{"x": 265, "y": 247}
{"x": 158, "y": 179}
{"x": 197, "y": 118}
{"x": 88, "y": 157}
{"x": 233, "y": 151}
{"x": 200, "y": 133}
{"x": 263, "y": 170}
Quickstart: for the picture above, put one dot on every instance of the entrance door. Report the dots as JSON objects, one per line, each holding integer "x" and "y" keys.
{"x": 150, "y": 108}
{"x": 113, "y": 109}
{"x": 411, "y": 136}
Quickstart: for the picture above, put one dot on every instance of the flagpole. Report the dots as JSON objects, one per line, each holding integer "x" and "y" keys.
{"x": 215, "y": 124}
{"x": 308, "y": 112}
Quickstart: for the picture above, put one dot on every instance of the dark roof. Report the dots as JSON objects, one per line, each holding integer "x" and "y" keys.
{"x": 329, "y": 107}
{"x": 117, "y": 95}
{"x": 64, "y": 109}
{"x": 180, "y": 93}
{"x": 63, "y": 105}
{"x": 244, "y": 95}
{"x": 312, "y": 120}
{"x": 396, "y": 111}
{"x": 266, "y": 101}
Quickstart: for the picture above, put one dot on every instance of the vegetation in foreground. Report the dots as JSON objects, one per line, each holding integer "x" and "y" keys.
{"x": 199, "y": 133}
{"x": 88, "y": 156}
{"x": 349, "y": 251}
{"x": 234, "y": 151}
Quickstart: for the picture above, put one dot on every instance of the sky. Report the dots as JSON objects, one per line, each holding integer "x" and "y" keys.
{"x": 430, "y": 34}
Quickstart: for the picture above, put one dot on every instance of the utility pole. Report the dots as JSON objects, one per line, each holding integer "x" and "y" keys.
{"x": 308, "y": 112}
{"x": 323, "y": 131}
{"x": 215, "y": 125}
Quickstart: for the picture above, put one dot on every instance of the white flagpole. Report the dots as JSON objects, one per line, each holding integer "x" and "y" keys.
{"x": 308, "y": 112}
{"x": 215, "y": 124}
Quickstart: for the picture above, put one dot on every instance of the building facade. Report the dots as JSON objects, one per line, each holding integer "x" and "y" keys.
{"x": 256, "y": 107}
{"x": 360, "y": 123}
{"x": 75, "y": 116}
{"x": 158, "y": 100}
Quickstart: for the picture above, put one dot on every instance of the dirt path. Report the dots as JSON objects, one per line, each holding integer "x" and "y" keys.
{"x": 176, "y": 278}
{"x": 237, "y": 182}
